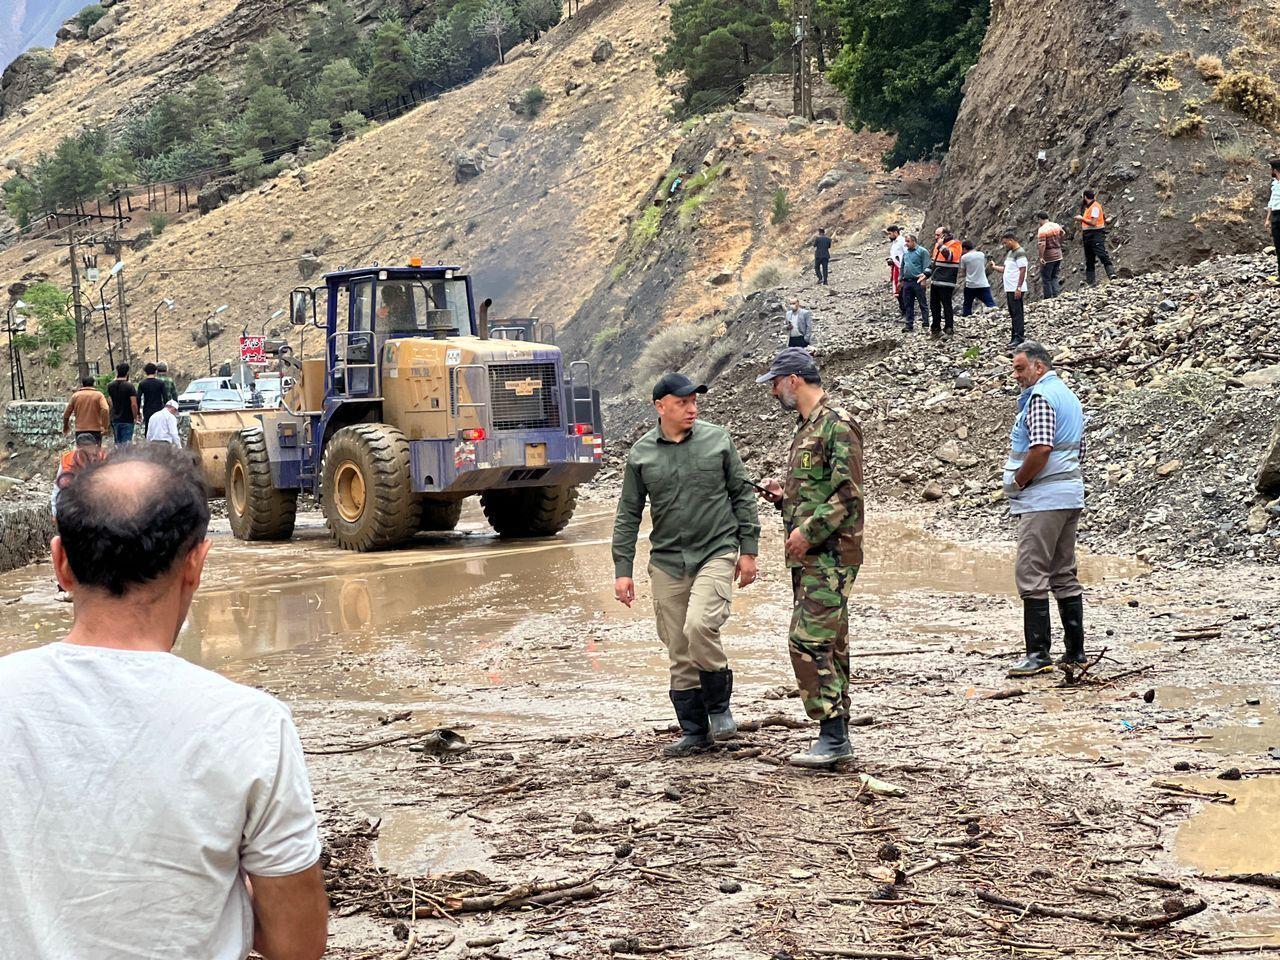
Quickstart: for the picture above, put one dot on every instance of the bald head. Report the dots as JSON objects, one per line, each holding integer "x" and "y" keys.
{"x": 130, "y": 519}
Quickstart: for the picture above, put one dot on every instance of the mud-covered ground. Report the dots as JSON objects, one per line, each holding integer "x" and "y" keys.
{"x": 1015, "y": 809}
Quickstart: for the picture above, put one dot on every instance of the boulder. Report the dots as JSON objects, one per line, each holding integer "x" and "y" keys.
{"x": 933, "y": 491}
{"x": 948, "y": 452}
{"x": 198, "y": 334}
{"x": 1258, "y": 520}
{"x": 830, "y": 179}
{"x": 1269, "y": 469}
{"x": 602, "y": 52}
{"x": 467, "y": 166}
{"x": 215, "y": 193}
{"x": 308, "y": 265}
{"x": 1263, "y": 379}
{"x": 1168, "y": 468}
{"x": 796, "y": 124}
{"x": 71, "y": 30}
{"x": 104, "y": 26}
{"x": 721, "y": 278}
{"x": 73, "y": 61}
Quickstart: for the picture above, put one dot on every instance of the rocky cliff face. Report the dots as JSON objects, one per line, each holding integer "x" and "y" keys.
{"x": 1123, "y": 96}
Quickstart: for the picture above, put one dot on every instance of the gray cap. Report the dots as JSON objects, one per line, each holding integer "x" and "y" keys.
{"x": 792, "y": 360}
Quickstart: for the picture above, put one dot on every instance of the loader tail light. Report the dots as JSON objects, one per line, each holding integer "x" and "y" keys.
{"x": 475, "y": 434}
{"x": 581, "y": 429}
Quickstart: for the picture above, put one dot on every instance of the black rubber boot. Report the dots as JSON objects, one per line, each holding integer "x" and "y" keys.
{"x": 1035, "y": 628}
{"x": 717, "y": 688}
{"x": 1071, "y": 612}
{"x": 691, "y": 711}
{"x": 831, "y": 746}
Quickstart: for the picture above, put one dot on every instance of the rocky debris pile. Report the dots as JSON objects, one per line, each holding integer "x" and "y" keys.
{"x": 1178, "y": 373}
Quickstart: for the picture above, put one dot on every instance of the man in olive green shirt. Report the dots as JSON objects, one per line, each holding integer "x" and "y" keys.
{"x": 705, "y": 534}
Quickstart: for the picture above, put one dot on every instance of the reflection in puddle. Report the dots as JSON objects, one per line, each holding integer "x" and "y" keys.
{"x": 1223, "y": 839}
{"x": 412, "y": 844}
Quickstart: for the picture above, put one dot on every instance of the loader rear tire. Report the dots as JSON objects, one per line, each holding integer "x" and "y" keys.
{"x": 529, "y": 511}
{"x": 438, "y": 515}
{"x": 256, "y": 509}
{"x": 366, "y": 488}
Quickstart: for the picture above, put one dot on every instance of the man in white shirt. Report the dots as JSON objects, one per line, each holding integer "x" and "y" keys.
{"x": 976, "y": 285}
{"x": 1015, "y": 268}
{"x": 897, "y": 247}
{"x": 151, "y": 808}
{"x": 164, "y": 425}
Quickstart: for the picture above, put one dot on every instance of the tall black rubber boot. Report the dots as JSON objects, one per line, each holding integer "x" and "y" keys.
{"x": 717, "y": 688}
{"x": 831, "y": 746}
{"x": 1035, "y": 629}
{"x": 691, "y": 712}
{"x": 1071, "y": 612}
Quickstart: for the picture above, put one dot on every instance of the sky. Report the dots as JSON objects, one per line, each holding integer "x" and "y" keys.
{"x": 32, "y": 23}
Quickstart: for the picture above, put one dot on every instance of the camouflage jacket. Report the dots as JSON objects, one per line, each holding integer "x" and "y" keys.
{"x": 822, "y": 490}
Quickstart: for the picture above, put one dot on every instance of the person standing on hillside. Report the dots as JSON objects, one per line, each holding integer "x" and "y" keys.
{"x": 1045, "y": 487}
{"x": 1093, "y": 231}
{"x": 89, "y": 408}
{"x": 124, "y": 405}
{"x": 1015, "y": 269}
{"x": 1273, "y": 211}
{"x": 1049, "y": 247}
{"x": 153, "y": 393}
{"x": 897, "y": 247}
{"x": 822, "y": 511}
{"x": 799, "y": 324}
{"x": 706, "y": 533}
{"x": 915, "y": 267}
{"x": 821, "y": 255}
{"x": 943, "y": 280}
{"x": 976, "y": 285}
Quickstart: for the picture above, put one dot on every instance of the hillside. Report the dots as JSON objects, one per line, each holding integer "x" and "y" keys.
{"x": 28, "y": 23}
{"x": 1129, "y": 97}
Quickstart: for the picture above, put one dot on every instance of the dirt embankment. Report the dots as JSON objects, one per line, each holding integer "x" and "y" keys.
{"x": 1119, "y": 95}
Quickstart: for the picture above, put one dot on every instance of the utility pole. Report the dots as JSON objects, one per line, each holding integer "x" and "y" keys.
{"x": 802, "y": 75}
{"x": 124, "y": 317}
{"x": 82, "y": 361}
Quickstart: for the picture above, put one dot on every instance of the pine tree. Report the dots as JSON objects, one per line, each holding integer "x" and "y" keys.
{"x": 717, "y": 44}
{"x": 340, "y": 88}
{"x": 271, "y": 120}
{"x": 208, "y": 100}
{"x": 392, "y": 71}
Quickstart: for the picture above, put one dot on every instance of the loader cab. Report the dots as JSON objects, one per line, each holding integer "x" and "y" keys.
{"x": 366, "y": 307}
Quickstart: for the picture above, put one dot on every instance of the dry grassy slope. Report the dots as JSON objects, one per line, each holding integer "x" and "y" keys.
{"x": 538, "y": 253}
{"x": 1047, "y": 80}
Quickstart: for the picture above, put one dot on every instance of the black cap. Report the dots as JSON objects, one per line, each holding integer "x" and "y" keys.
{"x": 789, "y": 361}
{"x": 676, "y": 384}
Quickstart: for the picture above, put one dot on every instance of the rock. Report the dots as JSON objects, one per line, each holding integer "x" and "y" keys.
{"x": 14, "y": 164}
{"x": 730, "y": 886}
{"x": 308, "y": 265}
{"x": 602, "y": 52}
{"x": 71, "y": 30}
{"x": 215, "y": 193}
{"x": 104, "y": 25}
{"x": 948, "y": 452}
{"x": 1262, "y": 379}
{"x": 796, "y": 124}
{"x": 1269, "y": 469}
{"x": 1169, "y": 305}
{"x": 467, "y": 166}
{"x": 932, "y": 491}
{"x": 198, "y": 334}
{"x": 830, "y": 179}
{"x": 1258, "y": 520}
{"x": 1166, "y": 469}
{"x": 721, "y": 278}
{"x": 29, "y": 74}
{"x": 73, "y": 61}
{"x": 964, "y": 382}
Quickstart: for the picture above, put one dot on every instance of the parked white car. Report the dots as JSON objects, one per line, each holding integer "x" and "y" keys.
{"x": 213, "y": 393}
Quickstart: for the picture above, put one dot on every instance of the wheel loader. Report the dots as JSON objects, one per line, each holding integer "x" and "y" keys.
{"x": 411, "y": 408}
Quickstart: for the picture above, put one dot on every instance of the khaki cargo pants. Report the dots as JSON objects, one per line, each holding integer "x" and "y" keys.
{"x": 690, "y": 612}
{"x": 1047, "y": 555}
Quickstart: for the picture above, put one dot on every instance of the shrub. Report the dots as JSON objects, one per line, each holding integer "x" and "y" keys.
{"x": 533, "y": 100}
{"x": 158, "y": 222}
{"x": 718, "y": 359}
{"x": 90, "y": 15}
{"x": 781, "y": 207}
{"x": 1165, "y": 183}
{"x": 605, "y": 338}
{"x": 1210, "y": 67}
{"x": 766, "y": 278}
{"x": 696, "y": 190}
{"x": 668, "y": 350}
{"x": 1236, "y": 152}
{"x": 1190, "y": 124}
{"x": 248, "y": 166}
{"x": 353, "y": 123}
{"x": 646, "y": 227}
{"x": 1250, "y": 94}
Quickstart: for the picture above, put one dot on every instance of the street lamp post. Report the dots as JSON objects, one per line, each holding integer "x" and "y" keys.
{"x": 16, "y": 384}
{"x": 208, "y": 341}
{"x": 106, "y": 320}
{"x": 155, "y": 321}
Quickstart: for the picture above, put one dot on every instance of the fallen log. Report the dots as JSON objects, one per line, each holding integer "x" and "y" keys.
{"x": 540, "y": 892}
{"x": 1253, "y": 879}
{"x": 860, "y": 953}
{"x": 1122, "y": 921}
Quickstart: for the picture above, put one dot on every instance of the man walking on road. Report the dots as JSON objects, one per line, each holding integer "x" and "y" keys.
{"x": 124, "y": 405}
{"x": 821, "y": 255}
{"x": 897, "y": 247}
{"x": 799, "y": 324}
{"x": 1015, "y": 269}
{"x": 152, "y": 808}
{"x": 164, "y": 425}
{"x": 1093, "y": 227}
{"x": 1045, "y": 487}
{"x": 90, "y": 410}
{"x": 915, "y": 266}
{"x": 153, "y": 393}
{"x": 822, "y": 510}
{"x": 1049, "y": 247}
{"x": 706, "y": 534}
{"x": 973, "y": 263}
{"x": 170, "y": 388}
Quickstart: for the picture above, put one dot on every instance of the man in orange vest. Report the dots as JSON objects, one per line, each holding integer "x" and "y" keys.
{"x": 944, "y": 277}
{"x": 88, "y": 450}
{"x": 1093, "y": 226}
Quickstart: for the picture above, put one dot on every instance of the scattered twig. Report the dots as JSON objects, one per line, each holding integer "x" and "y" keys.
{"x": 1122, "y": 921}
{"x": 1253, "y": 879}
{"x": 1168, "y": 787}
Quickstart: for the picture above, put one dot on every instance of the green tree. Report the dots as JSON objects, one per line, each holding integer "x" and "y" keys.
{"x": 717, "y": 44}
{"x": 340, "y": 88}
{"x": 276, "y": 62}
{"x": 353, "y": 123}
{"x": 319, "y": 139}
{"x": 208, "y": 100}
{"x": 438, "y": 58}
{"x": 496, "y": 23}
{"x": 22, "y": 199}
{"x": 333, "y": 33}
{"x": 537, "y": 16}
{"x": 248, "y": 166}
{"x": 392, "y": 71}
{"x": 903, "y": 65}
{"x": 50, "y": 307}
{"x": 271, "y": 119}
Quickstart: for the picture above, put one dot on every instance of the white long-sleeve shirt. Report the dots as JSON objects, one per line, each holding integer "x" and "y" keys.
{"x": 896, "y": 249}
{"x": 164, "y": 426}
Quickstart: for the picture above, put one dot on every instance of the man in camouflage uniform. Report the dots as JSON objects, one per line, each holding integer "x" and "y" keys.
{"x": 822, "y": 509}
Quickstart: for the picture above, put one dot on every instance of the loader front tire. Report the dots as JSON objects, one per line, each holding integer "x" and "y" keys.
{"x": 529, "y": 511}
{"x": 366, "y": 488}
{"x": 256, "y": 509}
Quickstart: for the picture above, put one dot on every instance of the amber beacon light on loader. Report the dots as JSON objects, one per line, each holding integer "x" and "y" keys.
{"x": 405, "y": 416}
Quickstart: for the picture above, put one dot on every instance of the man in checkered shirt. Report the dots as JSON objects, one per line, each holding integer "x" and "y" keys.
{"x": 1045, "y": 487}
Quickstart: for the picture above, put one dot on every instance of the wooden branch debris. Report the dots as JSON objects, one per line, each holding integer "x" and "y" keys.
{"x": 522, "y": 895}
{"x": 860, "y": 953}
{"x": 1122, "y": 921}
{"x": 1182, "y": 791}
{"x": 1007, "y": 694}
{"x": 1253, "y": 879}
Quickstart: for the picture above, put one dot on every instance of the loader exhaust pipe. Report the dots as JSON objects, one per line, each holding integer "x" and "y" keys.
{"x": 482, "y": 323}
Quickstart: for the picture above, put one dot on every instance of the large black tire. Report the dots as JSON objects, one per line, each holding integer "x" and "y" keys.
{"x": 529, "y": 511}
{"x": 439, "y": 514}
{"x": 366, "y": 488}
{"x": 256, "y": 509}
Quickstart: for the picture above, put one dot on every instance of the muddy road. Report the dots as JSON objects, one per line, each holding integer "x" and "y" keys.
{"x": 1048, "y": 819}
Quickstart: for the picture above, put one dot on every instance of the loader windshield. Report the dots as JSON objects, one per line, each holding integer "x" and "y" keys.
{"x": 403, "y": 304}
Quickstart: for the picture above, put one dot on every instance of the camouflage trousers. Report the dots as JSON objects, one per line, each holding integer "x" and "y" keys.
{"x": 819, "y": 640}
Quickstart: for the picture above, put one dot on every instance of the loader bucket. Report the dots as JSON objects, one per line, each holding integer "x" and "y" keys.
{"x": 210, "y": 434}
